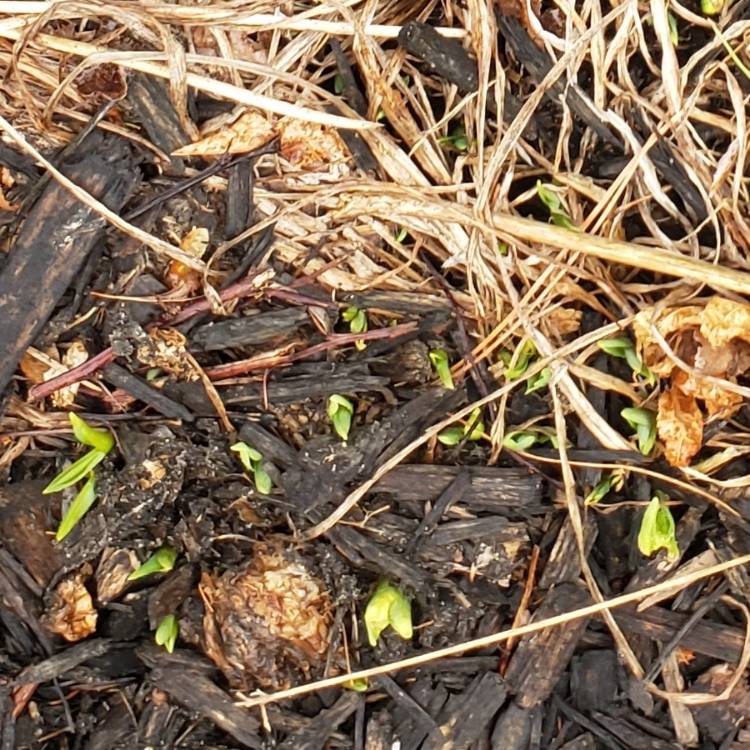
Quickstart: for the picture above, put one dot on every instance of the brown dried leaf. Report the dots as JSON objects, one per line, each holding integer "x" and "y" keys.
{"x": 72, "y": 614}
{"x": 195, "y": 242}
{"x": 724, "y": 319}
{"x": 307, "y": 144}
{"x": 249, "y": 131}
{"x": 717, "y": 400}
{"x": 102, "y": 82}
{"x": 682, "y": 319}
{"x": 563, "y": 320}
{"x": 679, "y": 423}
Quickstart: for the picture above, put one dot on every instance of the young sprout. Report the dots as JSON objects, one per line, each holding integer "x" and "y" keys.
{"x": 472, "y": 430}
{"x": 552, "y": 201}
{"x": 359, "y": 685}
{"x": 658, "y": 530}
{"x": 522, "y": 440}
{"x": 711, "y": 7}
{"x": 526, "y": 353}
{"x": 539, "y": 381}
{"x": 643, "y": 421}
{"x": 403, "y": 233}
{"x": 456, "y": 139}
{"x": 623, "y": 348}
{"x": 101, "y": 443}
{"x": 338, "y": 84}
{"x": 167, "y": 632}
{"x": 340, "y": 412}
{"x": 77, "y": 509}
{"x": 252, "y": 460}
{"x": 614, "y": 481}
{"x": 387, "y": 606}
{"x": 674, "y": 33}
{"x": 162, "y": 561}
{"x": 439, "y": 359}
{"x": 357, "y": 320}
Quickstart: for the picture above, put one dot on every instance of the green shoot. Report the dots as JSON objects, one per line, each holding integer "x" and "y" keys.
{"x": 388, "y": 606}
{"x": 85, "y": 434}
{"x": 526, "y": 353}
{"x": 456, "y": 139}
{"x": 402, "y": 235}
{"x": 162, "y": 561}
{"x": 674, "y": 33}
{"x": 360, "y": 685}
{"x": 643, "y": 421}
{"x": 439, "y": 359}
{"x": 539, "y": 381}
{"x": 502, "y": 248}
{"x": 338, "y": 84}
{"x": 658, "y": 530}
{"x": 75, "y": 472}
{"x": 551, "y": 200}
{"x": 77, "y": 509}
{"x": 101, "y": 443}
{"x": 340, "y": 411}
{"x": 732, "y": 54}
{"x": 252, "y": 460}
{"x": 522, "y": 440}
{"x": 472, "y": 430}
{"x": 357, "y": 320}
{"x": 167, "y": 632}
{"x": 622, "y": 347}
{"x": 614, "y": 481}
{"x": 711, "y": 7}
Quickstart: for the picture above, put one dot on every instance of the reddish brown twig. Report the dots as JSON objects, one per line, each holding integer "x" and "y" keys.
{"x": 74, "y": 375}
{"x": 335, "y": 340}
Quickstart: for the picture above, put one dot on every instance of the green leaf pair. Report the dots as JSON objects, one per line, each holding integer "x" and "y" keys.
{"x": 167, "y": 632}
{"x": 388, "y": 606}
{"x": 551, "y": 200}
{"x": 658, "y": 530}
{"x": 252, "y": 460}
{"x": 623, "y": 348}
{"x": 523, "y": 440}
{"x": 162, "y": 561}
{"x": 357, "y": 320}
{"x": 525, "y": 355}
{"x": 472, "y": 430}
{"x": 101, "y": 443}
{"x": 643, "y": 421}
{"x": 340, "y": 411}
{"x": 439, "y": 359}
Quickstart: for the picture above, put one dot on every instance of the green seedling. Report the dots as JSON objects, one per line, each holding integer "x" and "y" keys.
{"x": 622, "y": 347}
{"x": 732, "y": 53}
{"x": 614, "y": 481}
{"x": 658, "y": 530}
{"x": 439, "y": 359}
{"x": 162, "y": 561}
{"x": 357, "y": 320}
{"x": 711, "y": 7}
{"x": 252, "y": 460}
{"x": 539, "y": 381}
{"x": 643, "y": 421}
{"x": 101, "y": 443}
{"x": 388, "y": 606}
{"x": 557, "y": 213}
{"x": 524, "y": 356}
{"x": 167, "y": 632}
{"x": 338, "y": 84}
{"x": 77, "y": 509}
{"x": 523, "y": 440}
{"x": 502, "y": 248}
{"x": 456, "y": 139}
{"x": 472, "y": 430}
{"x": 360, "y": 685}
{"x": 674, "y": 33}
{"x": 402, "y": 235}
{"x": 340, "y": 411}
